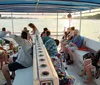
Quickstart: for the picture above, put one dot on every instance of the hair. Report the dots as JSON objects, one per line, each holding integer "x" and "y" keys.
{"x": 57, "y": 41}
{"x": 73, "y": 28}
{"x": 65, "y": 33}
{"x": 24, "y": 35}
{"x": 48, "y": 33}
{"x": 25, "y": 29}
{"x": 3, "y": 29}
{"x": 31, "y": 25}
{"x": 45, "y": 29}
{"x": 76, "y": 30}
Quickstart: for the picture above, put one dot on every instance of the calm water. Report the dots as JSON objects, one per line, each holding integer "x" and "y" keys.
{"x": 90, "y": 28}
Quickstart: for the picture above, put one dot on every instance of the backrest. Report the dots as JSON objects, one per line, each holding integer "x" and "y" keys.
{"x": 94, "y": 45}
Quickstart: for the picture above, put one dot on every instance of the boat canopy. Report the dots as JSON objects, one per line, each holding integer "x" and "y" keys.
{"x": 48, "y": 6}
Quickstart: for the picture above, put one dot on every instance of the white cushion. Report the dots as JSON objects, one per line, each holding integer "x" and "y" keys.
{"x": 24, "y": 76}
{"x": 78, "y": 57}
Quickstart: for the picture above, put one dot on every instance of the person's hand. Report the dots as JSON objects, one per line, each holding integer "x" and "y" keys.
{"x": 9, "y": 32}
{"x": 71, "y": 44}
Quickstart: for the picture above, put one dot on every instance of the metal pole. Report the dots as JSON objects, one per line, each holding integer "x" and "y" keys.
{"x": 80, "y": 22}
{"x": 12, "y": 23}
{"x": 57, "y": 25}
{"x": 69, "y": 22}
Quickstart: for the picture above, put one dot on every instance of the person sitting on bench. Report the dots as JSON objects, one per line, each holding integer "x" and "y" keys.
{"x": 89, "y": 64}
{"x": 75, "y": 43}
{"x": 24, "y": 59}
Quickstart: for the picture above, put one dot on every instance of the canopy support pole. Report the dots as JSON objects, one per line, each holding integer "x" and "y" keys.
{"x": 57, "y": 25}
{"x": 69, "y": 22}
{"x": 12, "y": 23}
{"x": 80, "y": 22}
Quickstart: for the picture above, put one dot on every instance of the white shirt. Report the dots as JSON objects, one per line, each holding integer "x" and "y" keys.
{"x": 24, "y": 56}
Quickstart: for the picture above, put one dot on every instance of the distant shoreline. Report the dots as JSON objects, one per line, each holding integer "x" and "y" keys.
{"x": 90, "y": 17}
{"x": 15, "y": 18}
{"x": 51, "y": 18}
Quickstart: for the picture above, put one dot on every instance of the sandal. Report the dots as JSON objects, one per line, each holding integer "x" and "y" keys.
{"x": 69, "y": 62}
{"x": 11, "y": 77}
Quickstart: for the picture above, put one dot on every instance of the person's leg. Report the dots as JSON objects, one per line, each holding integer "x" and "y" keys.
{"x": 10, "y": 67}
{"x": 12, "y": 76}
{"x": 86, "y": 63}
{"x": 6, "y": 74}
{"x": 70, "y": 54}
{"x": 66, "y": 51}
{"x": 89, "y": 73}
{"x": 11, "y": 60}
{"x": 83, "y": 71}
{"x": 63, "y": 44}
{"x": 1, "y": 60}
{"x": 70, "y": 51}
{"x": 6, "y": 57}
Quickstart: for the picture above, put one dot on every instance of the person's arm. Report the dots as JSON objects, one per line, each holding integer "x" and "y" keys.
{"x": 1, "y": 48}
{"x": 8, "y": 32}
{"x": 22, "y": 42}
{"x": 18, "y": 39}
{"x": 72, "y": 44}
{"x": 70, "y": 36}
